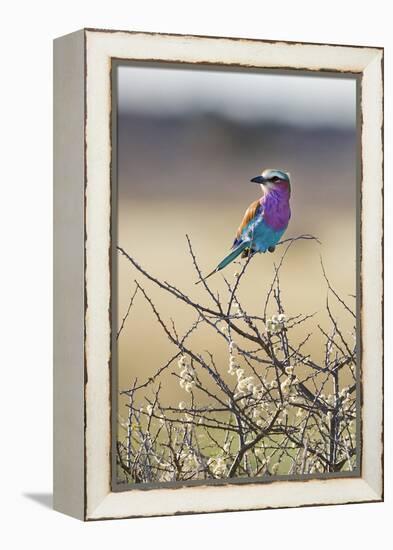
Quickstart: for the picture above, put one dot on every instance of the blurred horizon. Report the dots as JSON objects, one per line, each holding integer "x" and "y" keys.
{"x": 244, "y": 95}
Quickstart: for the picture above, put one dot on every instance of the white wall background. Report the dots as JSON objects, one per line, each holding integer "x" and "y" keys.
{"x": 25, "y": 304}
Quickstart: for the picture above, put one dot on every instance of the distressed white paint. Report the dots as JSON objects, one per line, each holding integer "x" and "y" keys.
{"x": 372, "y": 233}
{"x": 101, "y": 46}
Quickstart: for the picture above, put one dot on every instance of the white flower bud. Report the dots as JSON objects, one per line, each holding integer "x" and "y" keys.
{"x": 239, "y": 373}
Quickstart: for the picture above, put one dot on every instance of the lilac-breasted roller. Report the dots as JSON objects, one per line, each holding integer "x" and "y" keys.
{"x": 264, "y": 221}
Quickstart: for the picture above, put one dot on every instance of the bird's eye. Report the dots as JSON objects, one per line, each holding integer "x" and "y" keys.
{"x": 275, "y": 178}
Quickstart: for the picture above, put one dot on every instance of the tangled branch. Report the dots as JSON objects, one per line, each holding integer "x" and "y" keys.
{"x": 272, "y": 409}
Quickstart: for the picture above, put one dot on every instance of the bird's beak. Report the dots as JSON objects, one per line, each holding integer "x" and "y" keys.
{"x": 259, "y": 179}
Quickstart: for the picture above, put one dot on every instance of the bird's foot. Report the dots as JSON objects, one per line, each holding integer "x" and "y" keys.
{"x": 245, "y": 253}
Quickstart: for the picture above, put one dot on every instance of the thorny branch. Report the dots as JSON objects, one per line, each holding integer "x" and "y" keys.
{"x": 271, "y": 409}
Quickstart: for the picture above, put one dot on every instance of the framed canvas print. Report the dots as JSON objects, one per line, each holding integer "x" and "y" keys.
{"x": 218, "y": 274}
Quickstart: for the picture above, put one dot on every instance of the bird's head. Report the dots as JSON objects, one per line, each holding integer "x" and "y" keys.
{"x": 273, "y": 179}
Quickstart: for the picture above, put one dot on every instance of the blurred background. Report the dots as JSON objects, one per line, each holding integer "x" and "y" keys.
{"x": 188, "y": 143}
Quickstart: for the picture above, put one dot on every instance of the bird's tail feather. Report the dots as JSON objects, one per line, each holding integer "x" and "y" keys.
{"x": 227, "y": 260}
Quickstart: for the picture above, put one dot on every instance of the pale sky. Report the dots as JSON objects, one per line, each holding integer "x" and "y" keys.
{"x": 303, "y": 100}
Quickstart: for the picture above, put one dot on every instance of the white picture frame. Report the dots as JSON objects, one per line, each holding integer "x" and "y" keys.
{"x": 82, "y": 337}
